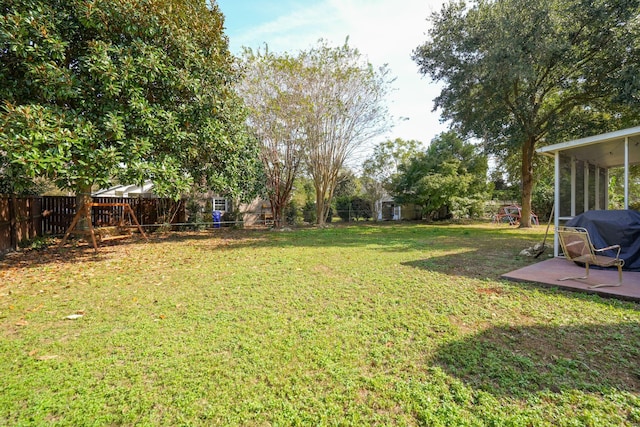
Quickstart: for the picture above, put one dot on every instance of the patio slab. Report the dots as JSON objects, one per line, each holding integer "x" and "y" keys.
{"x": 549, "y": 271}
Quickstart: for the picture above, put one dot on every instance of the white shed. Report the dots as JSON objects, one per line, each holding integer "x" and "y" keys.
{"x": 145, "y": 191}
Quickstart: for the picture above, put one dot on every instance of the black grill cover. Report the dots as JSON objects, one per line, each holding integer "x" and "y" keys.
{"x": 606, "y": 228}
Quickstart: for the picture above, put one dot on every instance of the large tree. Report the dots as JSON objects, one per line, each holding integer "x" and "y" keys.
{"x": 318, "y": 107}
{"x": 345, "y": 109}
{"x": 448, "y": 179}
{"x": 137, "y": 89}
{"x": 274, "y": 91}
{"x": 514, "y": 69}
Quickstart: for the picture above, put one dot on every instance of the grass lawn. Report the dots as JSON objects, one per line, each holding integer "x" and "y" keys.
{"x": 360, "y": 325}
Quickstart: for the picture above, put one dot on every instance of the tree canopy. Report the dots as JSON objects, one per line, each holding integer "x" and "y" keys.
{"x": 314, "y": 108}
{"x": 514, "y": 70}
{"x": 448, "y": 179}
{"x": 135, "y": 89}
{"x": 346, "y": 108}
{"x": 274, "y": 91}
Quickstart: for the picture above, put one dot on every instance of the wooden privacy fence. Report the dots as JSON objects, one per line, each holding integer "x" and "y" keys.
{"x": 58, "y": 212}
{"x": 52, "y": 215}
{"x": 20, "y": 219}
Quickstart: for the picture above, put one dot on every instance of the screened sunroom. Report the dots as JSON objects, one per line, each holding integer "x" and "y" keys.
{"x": 582, "y": 172}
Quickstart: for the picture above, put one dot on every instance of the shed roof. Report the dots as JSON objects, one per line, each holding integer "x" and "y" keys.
{"x": 605, "y": 150}
{"x": 145, "y": 190}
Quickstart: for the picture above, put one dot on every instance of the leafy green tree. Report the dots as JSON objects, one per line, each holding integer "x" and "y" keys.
{"x": 348, "y": 184}
{"x": 343, "y": 207}
{"x": 135, "y": 89}
{"x": 319, "y": 107}
{"x": 346, "y": 107}
{"x": 274, "y": 91}
{"x": 449, "y": 179}
{"x": 381, "y": 167}
{"x": 616, "y": 188}
{"x": 514, "y": 69}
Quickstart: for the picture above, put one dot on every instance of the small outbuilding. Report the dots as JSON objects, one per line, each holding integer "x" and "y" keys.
{"x": 144, "y": 191}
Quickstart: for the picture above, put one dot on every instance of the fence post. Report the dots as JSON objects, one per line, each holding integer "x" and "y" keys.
{"x": 13, "y": 221}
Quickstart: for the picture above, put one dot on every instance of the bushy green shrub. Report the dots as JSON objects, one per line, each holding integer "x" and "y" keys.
{"x": 353, "y": 208}
{"x": 292, "y": 213}
{"x": 309, "y": 212}
{"x": 343, "y": 205}
{"x": 37, "y": 243}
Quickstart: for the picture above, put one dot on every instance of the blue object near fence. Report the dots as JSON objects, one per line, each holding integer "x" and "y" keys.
{"x": 217, "y": 215}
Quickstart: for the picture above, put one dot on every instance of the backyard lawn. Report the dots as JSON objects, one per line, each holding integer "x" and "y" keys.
{"x": 360, "y": 325}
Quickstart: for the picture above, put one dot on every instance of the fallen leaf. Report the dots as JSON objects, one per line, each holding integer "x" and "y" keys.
{"x": 74, "y": 316}
{"x": 22, "y": 322}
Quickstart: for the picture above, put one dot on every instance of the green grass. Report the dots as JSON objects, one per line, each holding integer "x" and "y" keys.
{"x": 363, "y": 325}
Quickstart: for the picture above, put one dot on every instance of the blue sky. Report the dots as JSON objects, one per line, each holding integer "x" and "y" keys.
{"x": 385, "y": 31}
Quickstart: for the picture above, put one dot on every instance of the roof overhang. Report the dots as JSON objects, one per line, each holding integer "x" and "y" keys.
{"x": 606, "y": 150}
{"x": 146, "y": 191}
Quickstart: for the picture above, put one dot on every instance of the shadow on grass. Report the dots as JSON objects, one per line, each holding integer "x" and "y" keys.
{"x": 79, "y": 251}
{"x": 385, "y": 237}
{"x": 516, "y": 361}
{"x": 487, "y": 260}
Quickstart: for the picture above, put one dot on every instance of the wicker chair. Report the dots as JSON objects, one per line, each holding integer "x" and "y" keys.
{"x": 577, "y": 247}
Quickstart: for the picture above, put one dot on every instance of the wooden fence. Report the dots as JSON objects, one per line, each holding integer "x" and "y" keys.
{"x": 20, "y": 219}
{"x": 25, "y": 218}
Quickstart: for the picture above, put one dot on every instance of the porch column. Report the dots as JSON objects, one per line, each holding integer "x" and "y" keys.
{"x": 626, "y": 172}
{"x": 556, "y": 201}
{"x": 597, "y": 189}
{"x": 606, "y": 189}
{"x": 573, "y": 186}
{"x": 585, "y": 186}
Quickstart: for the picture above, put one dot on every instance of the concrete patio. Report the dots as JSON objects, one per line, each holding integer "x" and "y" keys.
{"x": 549, "y": 271}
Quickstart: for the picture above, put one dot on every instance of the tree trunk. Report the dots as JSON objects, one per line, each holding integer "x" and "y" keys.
{"x": 278, "y": 199}
{"x": 527, "y": 181}
{"x": 320, "y": 211}
{"x": 320, "y": 217}
{"x": 83, "y": 196}
{"x": 323, "y": 203}
{"x": 276, "y": 211}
